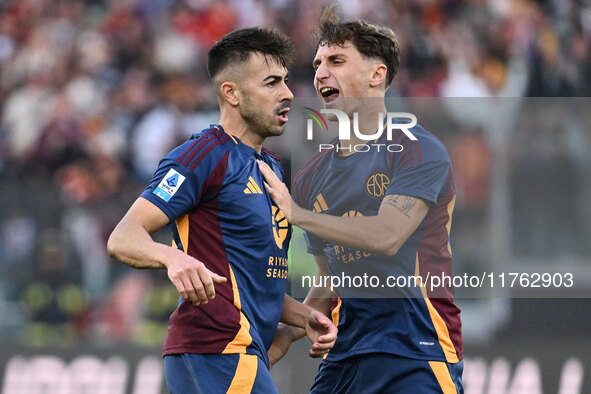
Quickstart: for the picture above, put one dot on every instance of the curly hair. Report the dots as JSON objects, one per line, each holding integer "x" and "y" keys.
{"x": 371, "y": 40}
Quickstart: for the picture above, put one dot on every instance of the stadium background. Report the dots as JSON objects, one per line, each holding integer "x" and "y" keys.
{"x": 93, "y": 93}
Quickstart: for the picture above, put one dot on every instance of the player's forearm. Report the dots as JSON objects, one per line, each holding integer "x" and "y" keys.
{"x": 370, "y": 233}
{"x": 295, "y": 313}
{"x": 131, "y": 244}
{"x": 290, "y": 333}
{"x": 320, "y": 299}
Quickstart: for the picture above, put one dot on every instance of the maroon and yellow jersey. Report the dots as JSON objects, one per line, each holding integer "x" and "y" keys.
{"x": 212, "y": 189}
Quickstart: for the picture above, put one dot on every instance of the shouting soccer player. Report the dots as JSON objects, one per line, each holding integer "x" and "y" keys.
{"x": 409, "y": 342}
{"x": 230, "y": 260}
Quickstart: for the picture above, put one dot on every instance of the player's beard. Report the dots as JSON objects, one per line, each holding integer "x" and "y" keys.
{"x": 260, "y": 122}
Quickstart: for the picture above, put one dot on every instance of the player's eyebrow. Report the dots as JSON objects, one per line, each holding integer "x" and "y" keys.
{"x": 329, "y": 58}
{"x": 274, "y": 77}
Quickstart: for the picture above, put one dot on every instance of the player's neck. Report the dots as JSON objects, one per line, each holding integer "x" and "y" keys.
{"x": 236, "y": 127}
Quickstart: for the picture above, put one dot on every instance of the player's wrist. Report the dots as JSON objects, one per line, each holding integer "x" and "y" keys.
{"x": 296, "y": 213}
{"x": 290, "y": 333}
{"x": 167, "y": 255}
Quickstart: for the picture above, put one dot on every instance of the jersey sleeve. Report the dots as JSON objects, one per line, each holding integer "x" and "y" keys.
{"x": 421, "y": 172}
{"x": 175, "y": 189}
{"x": 314, "y": 245}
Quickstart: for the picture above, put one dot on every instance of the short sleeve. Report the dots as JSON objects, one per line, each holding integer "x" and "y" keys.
{"x": 314, "y": 245}
{"x": 176, "y": 189}
{"x": 423, "y": 178}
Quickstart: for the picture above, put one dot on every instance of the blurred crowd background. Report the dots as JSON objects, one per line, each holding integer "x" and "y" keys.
{"x": 93, "y": 93}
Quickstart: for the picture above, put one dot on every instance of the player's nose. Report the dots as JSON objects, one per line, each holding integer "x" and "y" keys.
{"x": 321, "y": 72}
{"x": 286, "y": 94}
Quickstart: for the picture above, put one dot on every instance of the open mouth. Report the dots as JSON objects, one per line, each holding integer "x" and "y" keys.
{"x": 282, "y": 115}
{"x": 329, "y": 94}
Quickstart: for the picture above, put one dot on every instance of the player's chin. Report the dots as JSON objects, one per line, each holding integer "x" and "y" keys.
{"x": 277, "y": 129}
{"x": 282, "y": 122}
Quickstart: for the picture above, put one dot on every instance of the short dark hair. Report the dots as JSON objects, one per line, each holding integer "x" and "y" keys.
{"x": 371, "y": 40}
{"x": 236, "y": 47}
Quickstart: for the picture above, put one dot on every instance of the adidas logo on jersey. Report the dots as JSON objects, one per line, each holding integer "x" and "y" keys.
{"x": 320, "y": 205}
{"x": 252, "y": 187}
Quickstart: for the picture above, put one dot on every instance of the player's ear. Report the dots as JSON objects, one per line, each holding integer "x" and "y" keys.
{"x": 378, "y": 76}
{"x": 230, "y": 93}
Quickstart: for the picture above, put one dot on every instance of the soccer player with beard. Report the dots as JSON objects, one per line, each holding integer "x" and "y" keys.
{"x": 230, "y": 259}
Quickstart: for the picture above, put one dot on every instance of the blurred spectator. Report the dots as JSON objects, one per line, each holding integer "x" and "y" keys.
{"x": 547, "y": 182}
{"x": 90, "y": 190}
{"x": 122, "y": 312}
{"x": 18, "y": 233}
{"x": 53, "y": 300}
{"x": 167, "y": 124}
{"x": 471, "y": 160}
